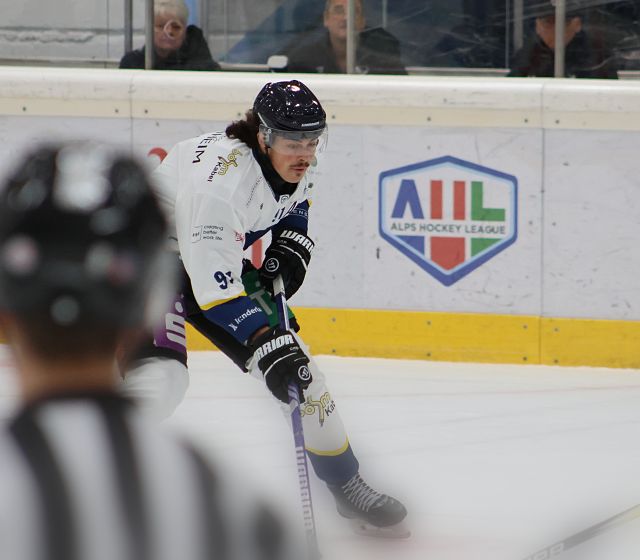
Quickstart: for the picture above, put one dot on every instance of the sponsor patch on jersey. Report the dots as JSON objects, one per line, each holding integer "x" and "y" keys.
{"x": 240, "y": 318}
{"x": 212, "y": 233}
{"x": 196, "y": 234}
{"x": 208, "y": 232}
{"x": 224, "y": 164}
{"x": 204, "y": 143}
{"x": 449, "y": 216}
{"x": 323, "y": 407}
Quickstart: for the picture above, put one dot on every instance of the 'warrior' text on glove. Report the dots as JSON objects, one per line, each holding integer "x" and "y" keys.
{"x": 281, "y": 360}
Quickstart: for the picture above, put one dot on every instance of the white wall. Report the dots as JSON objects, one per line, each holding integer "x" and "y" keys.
{"x": 93, "y": 29}
{"x": 571, "y": 145}
{"x": 72, "y": 29}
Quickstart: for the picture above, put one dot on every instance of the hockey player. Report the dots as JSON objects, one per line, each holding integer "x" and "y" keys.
{"x": 83, "y": 474}
{"x": 223, "y": 191}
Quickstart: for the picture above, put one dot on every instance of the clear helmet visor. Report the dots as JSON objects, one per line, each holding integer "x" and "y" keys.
{"x": 310, "y": 143}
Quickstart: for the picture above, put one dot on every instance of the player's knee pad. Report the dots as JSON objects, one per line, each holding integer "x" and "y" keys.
{"x": 158, "y": 385}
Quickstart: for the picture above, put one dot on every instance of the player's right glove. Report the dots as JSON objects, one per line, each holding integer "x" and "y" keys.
{"x": 281, "y": 360}
{"x": 287, "y": 256}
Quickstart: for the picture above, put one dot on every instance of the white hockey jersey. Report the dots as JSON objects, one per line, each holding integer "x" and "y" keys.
{"x": 219, "y": 201}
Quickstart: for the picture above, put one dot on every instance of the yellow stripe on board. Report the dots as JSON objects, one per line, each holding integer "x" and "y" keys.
{"x": 418, "y": 335}
{"x": 462, "y": 337}
{"x": 585, "y": 342}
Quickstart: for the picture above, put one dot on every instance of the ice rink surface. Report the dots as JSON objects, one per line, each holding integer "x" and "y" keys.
{"x": 492, "y": 461}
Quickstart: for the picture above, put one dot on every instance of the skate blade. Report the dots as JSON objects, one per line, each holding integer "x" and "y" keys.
{"x": 398, "y": 531}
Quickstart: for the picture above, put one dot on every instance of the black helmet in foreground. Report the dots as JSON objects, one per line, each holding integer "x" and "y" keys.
{"x": 289, "y": 107}
{"x": 81, "y": 237}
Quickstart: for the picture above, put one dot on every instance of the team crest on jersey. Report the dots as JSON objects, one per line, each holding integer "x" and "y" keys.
{"x": 449, "y": 216}
{"x": 323, "y": 407}
{"x": 224, "y": 164}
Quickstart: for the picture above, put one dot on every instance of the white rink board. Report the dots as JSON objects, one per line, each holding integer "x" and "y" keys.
{"x": 373, "y": 275}
{"x": 507, "y": 284}
{"x": 592, "y": 224}
{"x": 572, "y": 148}
{"x": 19, "y": 134}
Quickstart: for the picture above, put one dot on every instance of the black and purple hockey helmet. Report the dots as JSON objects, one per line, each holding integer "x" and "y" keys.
{"x": 290, "y": 110}
{"x": 81, "y": 238}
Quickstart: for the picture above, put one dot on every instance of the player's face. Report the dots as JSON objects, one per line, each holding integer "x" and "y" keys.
{"x": 292, "y": 158}
{"x": 169, "y": 34}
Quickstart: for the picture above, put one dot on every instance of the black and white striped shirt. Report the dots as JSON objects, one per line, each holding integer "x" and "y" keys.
{"x": 86, "y": 477}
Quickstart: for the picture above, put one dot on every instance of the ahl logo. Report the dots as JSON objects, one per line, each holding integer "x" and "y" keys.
{"x": 447, "y": 215}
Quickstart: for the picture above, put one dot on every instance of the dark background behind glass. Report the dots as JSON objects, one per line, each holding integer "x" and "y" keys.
{"x": 446, "y": 33}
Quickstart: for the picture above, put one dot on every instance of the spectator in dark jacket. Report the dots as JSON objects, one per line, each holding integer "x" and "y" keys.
{"x": 325, "y": 50}
{"x": 176, "y": 45}
{"x": 582, "y": 58}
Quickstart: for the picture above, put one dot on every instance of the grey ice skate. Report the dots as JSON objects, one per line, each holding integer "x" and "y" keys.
{"x": 371, "y": 513}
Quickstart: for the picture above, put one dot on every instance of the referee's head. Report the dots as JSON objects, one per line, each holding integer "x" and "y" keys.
{"x": 81, "y": 238}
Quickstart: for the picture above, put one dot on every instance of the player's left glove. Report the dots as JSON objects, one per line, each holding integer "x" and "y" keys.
{"x": 281, "y": 360}
{"x": 288, "y": 255}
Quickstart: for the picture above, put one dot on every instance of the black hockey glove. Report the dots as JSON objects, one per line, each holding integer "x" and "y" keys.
{"x": 288, "y": 255}
{"x": 280, "y": 360}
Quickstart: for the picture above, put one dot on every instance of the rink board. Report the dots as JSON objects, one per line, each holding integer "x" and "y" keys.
{"x": 464, "y": 338}
{"x": 554, "y": 160}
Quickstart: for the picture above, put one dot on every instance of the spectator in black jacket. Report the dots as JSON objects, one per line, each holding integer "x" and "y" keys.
{"x": 583, "y": 59}
{"x": 176, "y": 45}
{"x": 325, "y": 50}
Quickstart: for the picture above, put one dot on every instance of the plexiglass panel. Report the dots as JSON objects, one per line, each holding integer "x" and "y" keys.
{"x": 486, "y": 37}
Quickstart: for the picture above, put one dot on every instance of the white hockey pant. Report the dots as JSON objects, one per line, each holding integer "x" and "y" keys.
{"x": 324, "y": 431}
{"x": 158, "y": 385}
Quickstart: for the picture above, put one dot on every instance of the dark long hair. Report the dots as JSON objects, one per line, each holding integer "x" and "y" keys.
{"x": 245, "y": 130}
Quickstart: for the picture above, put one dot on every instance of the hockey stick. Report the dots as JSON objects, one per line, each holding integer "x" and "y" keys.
{"x": 298, "y": 434}
{"x": 586, "y": 534}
